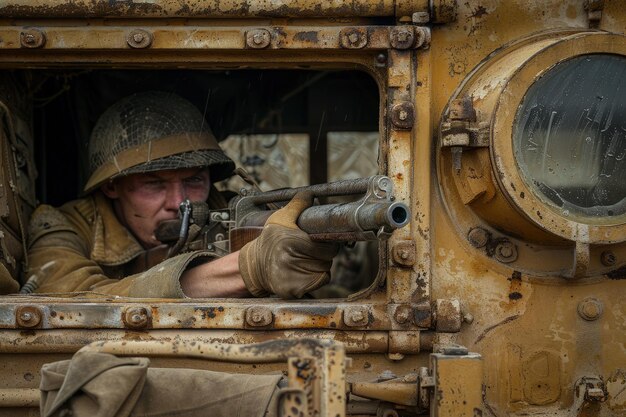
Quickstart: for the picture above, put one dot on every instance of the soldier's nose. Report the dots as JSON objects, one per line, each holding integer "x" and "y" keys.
{"x": 175, "y": 195}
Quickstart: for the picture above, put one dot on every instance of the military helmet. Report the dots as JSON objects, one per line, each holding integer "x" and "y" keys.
{"x": 153, "y": 131}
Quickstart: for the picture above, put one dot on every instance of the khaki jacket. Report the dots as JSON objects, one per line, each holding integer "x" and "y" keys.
{"x": 81, "y": 246}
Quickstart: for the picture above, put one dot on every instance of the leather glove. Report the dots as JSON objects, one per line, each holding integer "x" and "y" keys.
{"x": 283, "y": 260}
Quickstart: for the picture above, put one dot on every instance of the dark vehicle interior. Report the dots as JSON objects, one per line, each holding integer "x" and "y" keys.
{"x": 237, "y": 102}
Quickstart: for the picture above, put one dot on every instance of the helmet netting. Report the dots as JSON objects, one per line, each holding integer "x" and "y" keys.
{"x": 149, "y": 116}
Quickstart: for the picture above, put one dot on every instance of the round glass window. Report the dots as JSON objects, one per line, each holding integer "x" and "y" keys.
{"x": 569, "y": 137}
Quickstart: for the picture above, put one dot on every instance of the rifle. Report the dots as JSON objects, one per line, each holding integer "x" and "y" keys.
{"x": 374, "y": 216}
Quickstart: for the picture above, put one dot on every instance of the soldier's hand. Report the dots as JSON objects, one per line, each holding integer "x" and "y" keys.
{"x": 283, "y": 260}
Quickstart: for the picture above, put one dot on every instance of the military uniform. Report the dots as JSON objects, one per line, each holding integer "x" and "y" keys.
{"x": 82, "y": 246}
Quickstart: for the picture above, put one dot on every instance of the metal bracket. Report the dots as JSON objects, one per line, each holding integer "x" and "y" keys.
{"x": 589, "y": 393}
{"x": 451, "y": 386}
{"x": 594, "y": 12}
{"x": 462, "y": 129}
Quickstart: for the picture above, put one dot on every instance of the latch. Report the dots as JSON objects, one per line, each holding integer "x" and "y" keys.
{"x": 590, "y": 392}
{"x": 452, "y": 385}
{"x": 594, "y": 12}
{"x": 462, "y": 129}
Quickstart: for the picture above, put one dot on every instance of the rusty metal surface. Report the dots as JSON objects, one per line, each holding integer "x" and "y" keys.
{"x": 447, "y": 315}
{"x": 397, "y": 392}
{"x": 66, "y": 38}
{"x": 550, "y": 346}
{"x": 264, "y": 352}
{"x": 69, "y": 341}
{"x": 207, "y": 8}
{"x": 52, "y": 314}
{"x": 19, "y": 397}
{"x": 453, "y": 395}
{"x": 487, "y": 182}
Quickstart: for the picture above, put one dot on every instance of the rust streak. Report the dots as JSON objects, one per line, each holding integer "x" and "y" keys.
{"x": 490, "y": 328}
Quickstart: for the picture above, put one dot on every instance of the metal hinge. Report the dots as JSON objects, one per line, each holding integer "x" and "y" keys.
{"x": 462, "y": 129}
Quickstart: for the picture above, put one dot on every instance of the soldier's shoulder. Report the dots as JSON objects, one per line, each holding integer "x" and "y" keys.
{"x": 67, "y": 218}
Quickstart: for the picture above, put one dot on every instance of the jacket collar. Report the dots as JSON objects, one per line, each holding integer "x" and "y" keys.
{"x": 113, "y": 243}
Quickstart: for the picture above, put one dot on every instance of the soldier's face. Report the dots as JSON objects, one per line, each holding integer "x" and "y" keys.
{"x": 142, "y": 201}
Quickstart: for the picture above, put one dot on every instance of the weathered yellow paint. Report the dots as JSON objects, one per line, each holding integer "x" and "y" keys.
{"x": 522, "y": 317}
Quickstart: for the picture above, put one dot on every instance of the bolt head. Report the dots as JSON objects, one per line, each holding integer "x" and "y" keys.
{"x": 28, "y": 316}
{"x": 506, "y": 251}
{"x": 608, "y": 258}
{"x": 259, "y": 316}
{"x": 357, "y": 316}
{"x": 590, "y": 309}
{"x": 402, "y": 314}
{"x": 403, "y": 36}
{"x": 478, "y": 237}
{"x": 257, "y": 38}
{"x": 136, "y": 317}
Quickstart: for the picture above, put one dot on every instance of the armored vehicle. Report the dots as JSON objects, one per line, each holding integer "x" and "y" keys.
{"x": 500, "y": 124}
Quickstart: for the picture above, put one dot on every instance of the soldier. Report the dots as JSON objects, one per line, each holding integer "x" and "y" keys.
{"x": 147, "y": 153}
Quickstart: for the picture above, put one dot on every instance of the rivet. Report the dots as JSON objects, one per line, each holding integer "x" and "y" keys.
{"x": 590, "y": 309}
